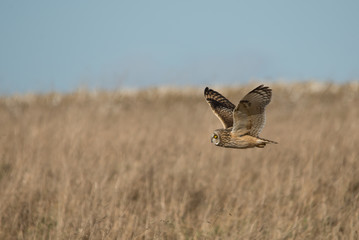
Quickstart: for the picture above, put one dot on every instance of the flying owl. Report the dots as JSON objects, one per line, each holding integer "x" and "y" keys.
{"x": 242, "y": 124}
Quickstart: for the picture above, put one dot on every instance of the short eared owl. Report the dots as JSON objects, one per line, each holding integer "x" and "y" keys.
{"x": 242, "y": 124}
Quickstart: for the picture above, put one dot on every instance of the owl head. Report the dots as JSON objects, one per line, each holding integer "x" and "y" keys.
{"x": 222, "y": 137}
{"x": 216, "y": 138}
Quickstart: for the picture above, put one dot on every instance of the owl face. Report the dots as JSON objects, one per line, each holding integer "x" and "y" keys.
{"x": 222, "y": 137}
{"x": 216, "y": 139}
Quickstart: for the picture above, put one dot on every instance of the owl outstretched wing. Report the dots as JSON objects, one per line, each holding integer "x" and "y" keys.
{"x": 249, "y": 115}
{"x": 220, "y": 106}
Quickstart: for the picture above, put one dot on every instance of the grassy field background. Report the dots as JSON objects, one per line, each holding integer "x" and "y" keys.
{"x": 140, "y": 165}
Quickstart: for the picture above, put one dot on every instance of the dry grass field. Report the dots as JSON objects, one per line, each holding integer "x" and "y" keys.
{"x": 140, "y": 165}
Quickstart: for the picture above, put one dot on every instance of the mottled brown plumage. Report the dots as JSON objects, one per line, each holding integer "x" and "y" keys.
{"x": 242, "y": 124}
{"x": 221, "y": 107}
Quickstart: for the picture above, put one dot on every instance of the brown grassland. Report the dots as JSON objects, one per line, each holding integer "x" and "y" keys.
{"x": 140, "y": 165}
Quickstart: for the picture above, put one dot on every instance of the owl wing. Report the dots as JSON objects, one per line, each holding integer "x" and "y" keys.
{"x": 220, "y": 106}
{"x": 249, "y": 115}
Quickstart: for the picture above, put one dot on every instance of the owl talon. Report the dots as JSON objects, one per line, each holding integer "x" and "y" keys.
{"x": 261, "y": 145}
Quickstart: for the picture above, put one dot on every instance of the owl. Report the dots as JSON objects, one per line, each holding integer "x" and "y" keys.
{"x": 242, "y": 124}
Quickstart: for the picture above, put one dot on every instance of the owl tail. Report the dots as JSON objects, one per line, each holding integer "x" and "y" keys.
{"x": 268, "y": 141}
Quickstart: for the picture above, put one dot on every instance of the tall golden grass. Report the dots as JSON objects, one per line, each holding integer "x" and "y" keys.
{"x": 120, "y": 165}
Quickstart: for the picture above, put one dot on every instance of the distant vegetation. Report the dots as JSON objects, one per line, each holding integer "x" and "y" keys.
{"x": 140, "y": 165}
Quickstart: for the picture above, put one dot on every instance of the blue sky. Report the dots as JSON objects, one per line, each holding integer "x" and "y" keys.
{"x": 63, "y": 45}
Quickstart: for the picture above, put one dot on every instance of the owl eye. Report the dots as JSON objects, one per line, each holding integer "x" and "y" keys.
{"x": 215, "y": 136}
